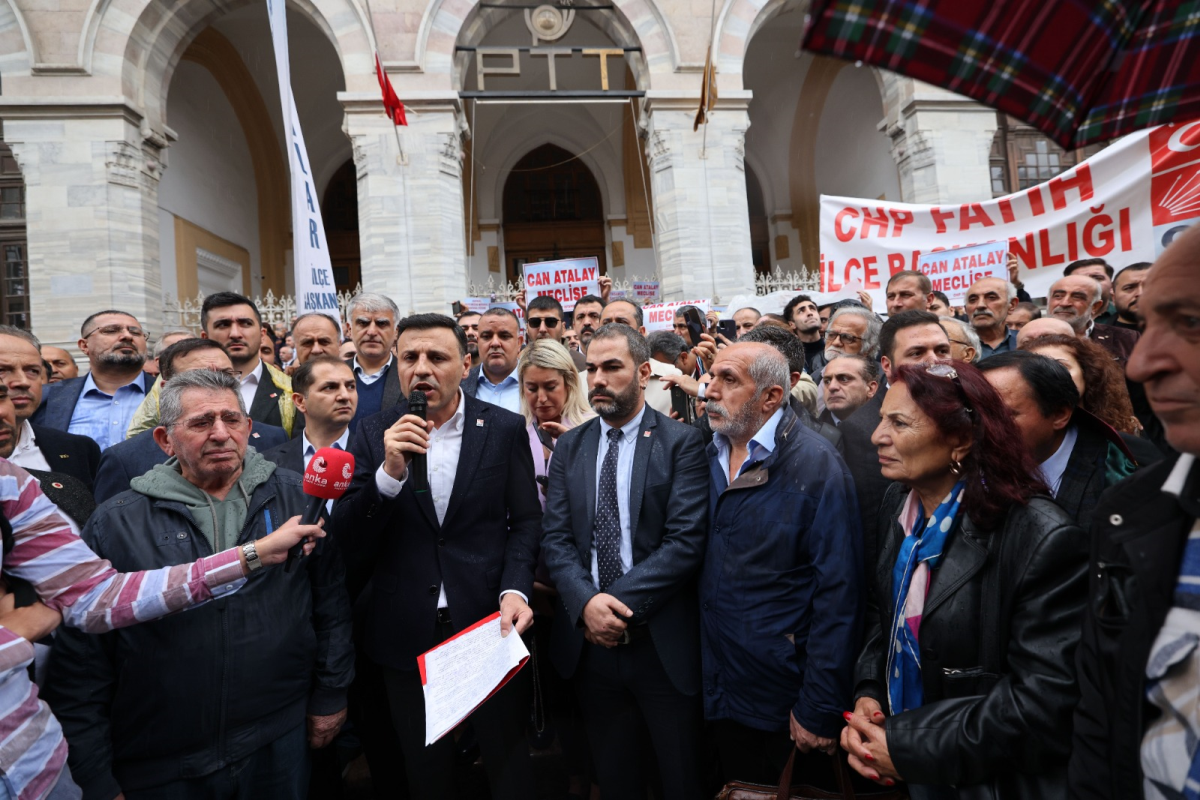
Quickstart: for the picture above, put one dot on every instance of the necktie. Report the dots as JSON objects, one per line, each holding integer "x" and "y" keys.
{"x": 607, "y": 532}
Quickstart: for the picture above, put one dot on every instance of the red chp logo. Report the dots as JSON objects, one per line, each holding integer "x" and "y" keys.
{"x": 1174, "y": 180}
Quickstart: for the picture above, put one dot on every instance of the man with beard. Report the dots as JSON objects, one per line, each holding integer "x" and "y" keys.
{"x": 445, "y": 556}
{"x": 34, "y": 446}
{"x": 101, "y": 405}
{"x": 804, "y": 317}
{"x": 469, "y": 322}
{"x": 1100, "y": 271}
{"x": 853, "y": 330}
{"x": 1076, "y": 300}
{"x": 585, "y": 318}
{"x": 781, "y": 588}
{"x": 1127, "y": 291}
{"x": 989, "y": 302}
{"x": 625, "y": 527}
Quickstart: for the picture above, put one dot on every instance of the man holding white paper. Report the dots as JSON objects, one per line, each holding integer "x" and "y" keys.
{"x": 443, "y": 516}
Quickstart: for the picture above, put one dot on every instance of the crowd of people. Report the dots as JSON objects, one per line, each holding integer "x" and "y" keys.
{"x": 955, "y": 549}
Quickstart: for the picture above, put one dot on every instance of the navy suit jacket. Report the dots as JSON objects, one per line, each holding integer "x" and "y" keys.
{"x": 289, "y": 455}
{"x": 69, "y": 453}
{"x": 59, "y": 399}
{"x": 668, "y": 510}
{"x": 487, "y": 544}
{"x": 136, "y": 456}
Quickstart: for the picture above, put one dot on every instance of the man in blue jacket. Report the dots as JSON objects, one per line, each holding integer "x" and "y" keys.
{"x": 782, "y": 590}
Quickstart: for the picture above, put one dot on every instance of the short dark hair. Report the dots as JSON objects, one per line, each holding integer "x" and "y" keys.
{"x": 898, "y": 322}
{"x": 88, "y": 321}
{"x": 1034, "y": 311}
{"x": 868, "y": 368}
{"x": 782, "y": 340}
{"x": 590, "y": 298}
{"x": 311, "y": 314}
{"x": 502, "y": 312}
{"x": 922, "y": 279}
{"x": 791, "y": 305}
{"x": 303, "y": 378}
{"x": 467, "y": 313}
{"x": 1088, "y": 262}
{"x": 429, "y": 322}
{"x": 1049, "y": 382}
{"x": 544, "y": 302}
{"x": 666, "y": 343}
{"x": 168, "y": 357}
{"x": 1138, "y": 267}
{"x": 945, "y": 300}
{"x": 225, "y": 300}
{"x": 638, "y": 347}
{"x": 637, "y": 310}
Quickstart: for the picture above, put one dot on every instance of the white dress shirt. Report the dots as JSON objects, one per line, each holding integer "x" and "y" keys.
{"x": 1052, "y": 468}
{"x": 27, "y": 454}
{"x": 249, "y": 386}
{"x": 629, "y": 434}
{"x": 360, "y": 372}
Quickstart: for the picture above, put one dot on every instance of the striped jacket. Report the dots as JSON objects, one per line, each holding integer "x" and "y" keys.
{"x": 68, "y": 577}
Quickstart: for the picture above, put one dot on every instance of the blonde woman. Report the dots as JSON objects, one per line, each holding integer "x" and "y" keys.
{"x": 553, "y": 400}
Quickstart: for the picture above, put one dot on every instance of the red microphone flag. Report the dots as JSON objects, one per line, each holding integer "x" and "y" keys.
{"x": 328, "y": 473}
{"x": 391, "y": 103}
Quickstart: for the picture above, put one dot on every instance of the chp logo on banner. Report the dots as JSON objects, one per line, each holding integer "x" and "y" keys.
{"x": 315, "y": 289}
{"x": 1125, "y": 204}
{"x": 566, "y": 280}
{"x": 661, "y": 316}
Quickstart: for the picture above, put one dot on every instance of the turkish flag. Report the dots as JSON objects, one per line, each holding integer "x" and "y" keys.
{"x": 391, "y": 103}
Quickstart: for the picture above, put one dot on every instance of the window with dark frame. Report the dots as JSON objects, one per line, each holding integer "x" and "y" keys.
{"x": 14, "y": 247}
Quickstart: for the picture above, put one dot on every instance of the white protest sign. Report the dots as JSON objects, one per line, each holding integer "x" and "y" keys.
{"x": 477, "y": 304}
{"x": 1125, "y": 204}
{"x": 661, "y": 316}
{"x": 645, "y": 290}
{"x": 315, "y": 290}
{"x": 566, "y": 280}
{"x": 953, "y": 271}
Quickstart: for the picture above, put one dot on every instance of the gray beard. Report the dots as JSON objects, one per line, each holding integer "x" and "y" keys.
{"x": 741, "y": 425}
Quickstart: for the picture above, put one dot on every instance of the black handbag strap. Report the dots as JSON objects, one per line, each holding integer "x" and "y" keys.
{"x": 840, "y": 771}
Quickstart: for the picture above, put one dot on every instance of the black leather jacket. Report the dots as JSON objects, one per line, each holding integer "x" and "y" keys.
{"x": 998, "y": 640}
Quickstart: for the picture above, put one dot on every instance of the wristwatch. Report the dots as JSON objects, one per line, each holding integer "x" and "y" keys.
{"x": 252, "y": 559}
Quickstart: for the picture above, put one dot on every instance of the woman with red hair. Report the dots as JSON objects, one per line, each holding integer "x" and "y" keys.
{"x": 966, "y": 683}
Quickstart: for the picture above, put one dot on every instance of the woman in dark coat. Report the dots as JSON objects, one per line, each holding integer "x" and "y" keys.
{"x": 966, "y": 683}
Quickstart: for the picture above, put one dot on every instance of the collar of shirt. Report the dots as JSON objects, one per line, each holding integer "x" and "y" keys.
{"x": 511, "y": 380}
{"x": 628, "y": 430}
{"x": 368, "y": 378}
{"x": 254, "y": 375}
{"x": 309, "y": 449}
{"x": 89, "y": 386}
{"x": 1052, "y": 468}
{"x": 456, "y": 421}
{"x": 761, "y": 444}
{"x": 26, "y": 439}
{"x": 1091, "y": 326}
{"x": 1179, "y": 473}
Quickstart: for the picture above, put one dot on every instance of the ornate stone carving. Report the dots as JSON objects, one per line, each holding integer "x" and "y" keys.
{"x": 658, "y": 151}
{"x": 131, "y": 166}
{"x": 451, "y": 155}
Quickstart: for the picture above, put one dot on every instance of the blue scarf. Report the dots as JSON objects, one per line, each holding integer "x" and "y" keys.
{"x": 919, "y": 554}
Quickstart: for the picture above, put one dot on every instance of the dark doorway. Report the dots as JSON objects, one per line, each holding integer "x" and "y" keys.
{"x": 340, "y": 212}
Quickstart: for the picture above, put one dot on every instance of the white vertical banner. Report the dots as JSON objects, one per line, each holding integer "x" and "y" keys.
{"x": 315, "y": 290}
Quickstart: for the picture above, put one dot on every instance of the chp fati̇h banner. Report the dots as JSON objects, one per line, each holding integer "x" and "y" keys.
{"x": 1125, "y": 204}
{"x": 315, "y": 290}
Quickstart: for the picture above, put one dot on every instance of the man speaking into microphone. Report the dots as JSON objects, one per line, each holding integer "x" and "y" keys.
{"x": 446, "y": 551}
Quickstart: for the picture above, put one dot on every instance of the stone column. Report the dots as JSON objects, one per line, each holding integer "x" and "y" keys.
{"x": 941, "y": 142}
{"x": 91, "y": 200}
{"x": 410, "y": 207}
{"x": 701, "y": 219}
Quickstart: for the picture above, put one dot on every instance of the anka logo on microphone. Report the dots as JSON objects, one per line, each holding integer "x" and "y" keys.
{"x": 317, "y": 482}
{"x": 318, "y": 464}
{"x": 347, "y": 471}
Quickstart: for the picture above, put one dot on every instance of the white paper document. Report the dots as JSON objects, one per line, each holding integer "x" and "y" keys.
{"x": 465, "y": 670}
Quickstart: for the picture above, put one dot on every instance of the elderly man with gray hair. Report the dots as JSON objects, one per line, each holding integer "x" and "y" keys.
{"x": 988, "y": 304}
{"x": 852, "y": 330}
{"x": 781, "y": 587}
{"x": 964, "y": 341}
{"x": 372, "y": 318}
{"x": 228, "y": 698}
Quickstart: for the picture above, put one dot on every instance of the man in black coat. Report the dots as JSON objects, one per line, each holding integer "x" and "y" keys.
{"x": 1137, "y": 659}
{"x": 447, "y": 556}
{"x": 136, "y": 456}
{"x": 626, "y": 525}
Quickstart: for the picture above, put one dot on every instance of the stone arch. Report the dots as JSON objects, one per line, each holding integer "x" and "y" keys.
{"x": 446, "y": 24}
{"x": 148, "y": 51}
{"x": 19, "y": 53}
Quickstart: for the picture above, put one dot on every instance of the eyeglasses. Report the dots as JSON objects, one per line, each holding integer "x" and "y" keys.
{"x": 960, "y": 341}
{"x": 113, "y": 330}
{"x": 538, "y": 322}
{"x": 232, "y": 420}
{"x": 848, "y": 338}
{"x": 946, "y": 371}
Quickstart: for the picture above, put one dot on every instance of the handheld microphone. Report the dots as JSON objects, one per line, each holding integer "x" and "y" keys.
{"x": 417, "y": 406}
{"x": 327, "y": 477}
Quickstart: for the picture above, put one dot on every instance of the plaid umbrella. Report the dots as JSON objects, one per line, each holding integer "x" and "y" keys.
{"x": 1081, "y": 71}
